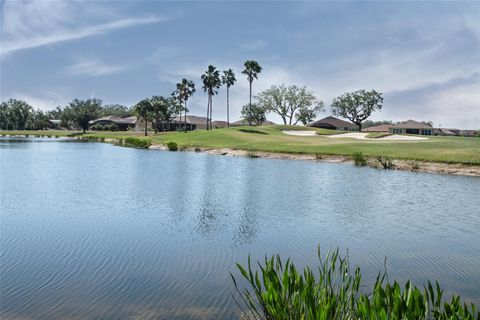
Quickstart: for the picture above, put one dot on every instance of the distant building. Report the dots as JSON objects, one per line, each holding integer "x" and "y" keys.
{"x": 412, "y": 127}
{"x": 123, "y": 124}
{"x": 54, "y": 123}
{"x": 380, "y": 128}
{"x": 334, "y": 124}
{"x": 448, "y": 131}
{"x": 196, "y": 122}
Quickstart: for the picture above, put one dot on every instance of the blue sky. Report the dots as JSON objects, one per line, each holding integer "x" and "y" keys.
{"x": 424, "y": 56}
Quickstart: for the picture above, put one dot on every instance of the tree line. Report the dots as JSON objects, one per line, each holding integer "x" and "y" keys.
{"x": 19, "y": 115}
{"x": 291, "y": 103}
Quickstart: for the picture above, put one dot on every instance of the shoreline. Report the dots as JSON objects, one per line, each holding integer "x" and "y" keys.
{"x": 399, "y": 164}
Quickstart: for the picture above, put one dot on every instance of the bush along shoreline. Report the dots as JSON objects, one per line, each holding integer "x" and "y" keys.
{"x": 279, "y": 291}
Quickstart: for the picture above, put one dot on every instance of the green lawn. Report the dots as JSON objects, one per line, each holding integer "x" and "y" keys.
{"x": 271, "y": 139}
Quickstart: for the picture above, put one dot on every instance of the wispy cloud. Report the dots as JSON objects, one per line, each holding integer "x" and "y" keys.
{"x": 93, "y": 67}
{"x": 253, "y": 45}
{"x": 27, "y": 25}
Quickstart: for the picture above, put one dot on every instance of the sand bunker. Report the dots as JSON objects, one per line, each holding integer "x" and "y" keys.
{"x": 300, "y": 133}
{"x": 363, "y": 136}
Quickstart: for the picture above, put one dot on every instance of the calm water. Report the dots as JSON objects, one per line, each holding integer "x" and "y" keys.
{"x": 94, "y": 231}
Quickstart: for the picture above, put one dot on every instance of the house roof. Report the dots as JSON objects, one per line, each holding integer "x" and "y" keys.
{"x": 193, "y": 120}
{"x": 411, "y": 124}
{"x": 129, "y": 120}
{"x": 380, "y": 128}
{"x": 335, "y": 122}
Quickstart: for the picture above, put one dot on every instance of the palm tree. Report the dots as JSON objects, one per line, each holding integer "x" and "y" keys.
{"x": 252, "y": 69}
{"x": 211, "y": 82}
{"x": 143, "y": 109}
{"x": 228, "y": 79}
{"x": 184, "y": 91}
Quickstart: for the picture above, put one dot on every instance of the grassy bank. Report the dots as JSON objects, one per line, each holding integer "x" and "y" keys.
{"x": 271, "y": 139}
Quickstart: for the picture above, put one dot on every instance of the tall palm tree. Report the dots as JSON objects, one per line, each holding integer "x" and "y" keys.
{"x": 211, "y": 82}
{"x": 228, "y": 79}
{"x": 143, "y": 109}
{"x": 252, "y": 69}
{"x": 184, "y": 91}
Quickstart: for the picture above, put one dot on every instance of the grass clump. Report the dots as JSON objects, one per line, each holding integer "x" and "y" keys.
{"x": 359, "y": 159}
{"x": 281, "y": 291}
{"x": 172, "y": 146}
{"x": 137, "y": 142}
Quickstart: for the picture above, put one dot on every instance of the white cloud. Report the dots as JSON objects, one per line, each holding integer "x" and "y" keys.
{"x": 33, "y": 24}
{"x": 92, "y": 68}
{"x": 45, "y": 100}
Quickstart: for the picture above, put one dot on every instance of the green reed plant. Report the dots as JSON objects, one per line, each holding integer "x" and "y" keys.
{"x": 359, "y": 159}
{"x": 278, "y": 291}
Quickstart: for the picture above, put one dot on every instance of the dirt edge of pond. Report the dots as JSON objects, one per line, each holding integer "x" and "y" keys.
{"x": 407, "y": 165}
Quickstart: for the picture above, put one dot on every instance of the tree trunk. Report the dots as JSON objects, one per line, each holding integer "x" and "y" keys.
{"x": 83, "y": 130}
{"x": 211, "y": 107}
{"x": 359, "y": 127}
{"x": 250, "y": 93}
{"x": 208, "y": 109}
{"x": 228, "y": 111}
{"x": 185, "y": 122}
{"x": 146, "y": 122}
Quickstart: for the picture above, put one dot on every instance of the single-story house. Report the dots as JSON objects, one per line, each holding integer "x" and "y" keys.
{"x": 334, "y": 124}
{"x": 122, "y": 123}
{"x": 412, "y": 127}
{"x": 380, "y": 128}
{"x": 244, "y": 122}
{"x": 194, "y": 121}
{"x": 174, "y": 125}
{"x": 448, "y": 132}
{"x": 54, "y": 123}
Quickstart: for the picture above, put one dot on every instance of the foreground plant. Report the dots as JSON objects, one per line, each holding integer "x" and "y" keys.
{"x": 280, "y": 291}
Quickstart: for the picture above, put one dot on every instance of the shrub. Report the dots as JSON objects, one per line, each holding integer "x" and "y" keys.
{"x": 385, "y": 162}
{"x": 56, "y": 136}
{"x": 252, "y": 154}
{"x": 281, "y": 291}
{"x": 137, "y": 142}
{"x": 415, "y": 165}
{"x": 359, "y": 159}
{"x": 172, "y": 146}
{"x": 182, "y": 147}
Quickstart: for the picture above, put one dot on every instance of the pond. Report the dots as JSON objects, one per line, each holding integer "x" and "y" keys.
{"x": 92, "y": 230}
